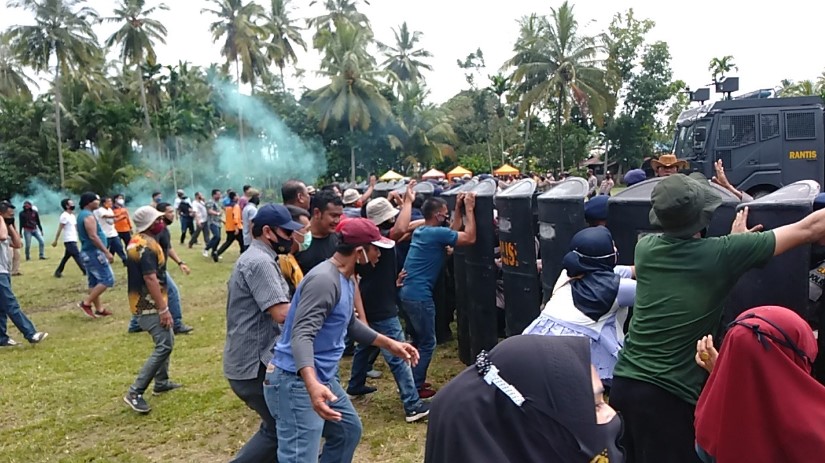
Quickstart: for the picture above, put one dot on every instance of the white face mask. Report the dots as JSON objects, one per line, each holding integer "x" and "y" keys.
{"x": 121, "y": 201}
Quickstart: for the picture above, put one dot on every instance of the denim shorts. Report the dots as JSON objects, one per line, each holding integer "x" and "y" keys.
{"x": 98, "y": 270}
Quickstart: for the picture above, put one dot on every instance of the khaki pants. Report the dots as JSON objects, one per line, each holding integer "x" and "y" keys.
{"x": 15, "y": 260}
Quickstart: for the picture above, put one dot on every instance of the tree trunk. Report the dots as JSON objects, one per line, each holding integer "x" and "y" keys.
{"x": 526, "y": 139}
{"x": 240, "y": 109}
{"x": 559, "y": 129}
{"x": 57, "y": 125}
{"x": 146, "y": 120}
{"x": 283, "y": 82}
{"x": 174, "y": 163}
{"x": 352, "y": 155}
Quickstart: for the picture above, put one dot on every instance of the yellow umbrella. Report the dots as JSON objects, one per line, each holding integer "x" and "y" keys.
{"x": 391, "y": 175}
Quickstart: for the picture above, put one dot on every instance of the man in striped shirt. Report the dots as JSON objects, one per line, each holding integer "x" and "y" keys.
{"x": 258, "y": 301}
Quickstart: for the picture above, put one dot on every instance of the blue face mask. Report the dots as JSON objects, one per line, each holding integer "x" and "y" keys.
{"x": 307, "y": 242}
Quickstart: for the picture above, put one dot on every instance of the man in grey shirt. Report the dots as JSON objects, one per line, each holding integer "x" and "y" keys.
{"x": 301, "y": 386}
{"x": 258, "y": 301}
{"x": 248, "y": 213}
{"x": 214, "y": 213}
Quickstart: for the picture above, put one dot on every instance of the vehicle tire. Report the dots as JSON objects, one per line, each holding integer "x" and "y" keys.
{"x": 757, "y": 193}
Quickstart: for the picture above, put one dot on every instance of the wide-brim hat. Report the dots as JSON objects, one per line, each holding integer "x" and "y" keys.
{"x": 144, "y": 217}
{"x": 668, "y": 160}
{"x": 682, "y": 206}
{"x": 379, "y": 210}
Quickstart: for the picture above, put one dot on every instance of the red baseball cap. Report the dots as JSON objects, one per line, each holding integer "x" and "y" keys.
{"x": 360, "y": 231}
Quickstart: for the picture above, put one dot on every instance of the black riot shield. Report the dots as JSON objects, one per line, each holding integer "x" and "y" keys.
{"x": 517, "y": 242}
{"x": 481, "y": 273}
{"x": 784, "y": 280}
{"x": 561, "y": 215}
{"x": 460, "y": 282}
{"x": 628, "y": 216}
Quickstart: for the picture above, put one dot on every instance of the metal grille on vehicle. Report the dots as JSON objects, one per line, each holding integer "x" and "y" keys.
{"x": 735, "y": 131}
{"x": 800, "y": 125}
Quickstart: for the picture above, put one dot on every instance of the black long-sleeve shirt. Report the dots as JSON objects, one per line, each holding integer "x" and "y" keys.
{"x": 30, "y": 220}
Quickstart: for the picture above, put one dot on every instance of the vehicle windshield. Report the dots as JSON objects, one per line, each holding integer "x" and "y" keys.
{"x": 683, "y": 142}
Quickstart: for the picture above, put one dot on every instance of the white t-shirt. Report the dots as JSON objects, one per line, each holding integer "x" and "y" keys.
{"x": 69, "y": 222}
{"x": 200, "y": 209}
{"x": 107, "y": 224}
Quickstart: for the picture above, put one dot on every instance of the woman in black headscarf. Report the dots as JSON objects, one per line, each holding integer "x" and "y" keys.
{"x": 590, "y": 299}
{"x": 531, "y": 399}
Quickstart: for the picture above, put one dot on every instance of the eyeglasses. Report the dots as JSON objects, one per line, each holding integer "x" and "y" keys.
{"x": 596, "y": 257}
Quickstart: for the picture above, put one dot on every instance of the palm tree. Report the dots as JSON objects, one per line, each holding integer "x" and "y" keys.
{"x": 136, "y": 38}
{"x": 527, "y": 50}
{"x": 101, "y": 172}
{"x": 285, "y": 35}
{"x": 563, "y": 67}
{"x": 422, "y": 132}
{"x": 62, "y": 30}
{"x": 13, "y": 81}
{"x": 241, "y": 35}
{"x": 719, "y": 66}
{"x": 338, "y": 12}
{"x": 404, "y": 60}
{"x": 352, "y": 95}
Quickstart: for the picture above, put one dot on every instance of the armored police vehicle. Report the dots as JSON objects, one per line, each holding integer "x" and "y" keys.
{"x": 764, "y": 143}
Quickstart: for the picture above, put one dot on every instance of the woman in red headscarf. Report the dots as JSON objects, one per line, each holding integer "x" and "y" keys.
{"x": 761, "y": 403}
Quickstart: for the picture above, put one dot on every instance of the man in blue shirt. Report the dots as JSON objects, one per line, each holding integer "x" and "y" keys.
{"x": 94, "y": 252}
{"x": 301, "y": 386}
{"x": 427, "y": 253}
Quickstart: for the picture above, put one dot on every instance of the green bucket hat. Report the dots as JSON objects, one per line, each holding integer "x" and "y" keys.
{"x": 682, "y": 206}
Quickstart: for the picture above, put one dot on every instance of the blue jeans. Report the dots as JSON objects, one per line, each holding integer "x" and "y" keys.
{"x": 300, "y": 429}
{"x": 98, "y": 270}
{"x": 422, "y": 317}
{"x": 215, "y": 240}
{"x": 116, "y": 248}
{"x": 172, "y": 299}
{"x": 401, "y": 371}
{"x": 27, "y": 235}
{"x": 9, "y": 308}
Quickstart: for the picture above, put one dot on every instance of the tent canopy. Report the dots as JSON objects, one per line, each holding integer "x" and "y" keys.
{"x": 391, "y": 175}
{"x": 506, "y": 169}
{"x": 458, "y": 172}
{"x": 433, "y": 173}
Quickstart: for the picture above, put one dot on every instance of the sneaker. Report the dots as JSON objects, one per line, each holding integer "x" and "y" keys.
{"x": 137, "y": 403}
{"x": 135, "y": 329}
{"x": 10, "y": 343}
{"x": 215, "y": 256}
{"x": 205, "y": 253}
{"x": 169, "y": 386}
{"x": 419, "y": 413}
{"x": 360, "y": 390}
{"x": 87, "y": 309}
{"x": 43, "y": 257}
{"x": 426, "y": 392}
{"x": 58, "y": 275}
{"x": 103, "y": 313}
{"x": 183, "y": 329}
{"x": 39, "y": 336}
{"x": 374, "y": 374}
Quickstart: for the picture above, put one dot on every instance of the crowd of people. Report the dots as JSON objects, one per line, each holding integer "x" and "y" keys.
{"x": 330, "y": 273}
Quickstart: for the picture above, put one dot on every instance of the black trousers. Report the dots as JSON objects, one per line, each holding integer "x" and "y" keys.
{"x": 125, "y": 237}
{"x": 263, "y": 445}
{"x": 70, "y": 251}
{"x": 658, "y": 426}
{"x": 232, "y": 236}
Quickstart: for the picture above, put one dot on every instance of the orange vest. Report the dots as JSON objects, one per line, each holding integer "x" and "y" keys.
{"x": 122, "y": 222}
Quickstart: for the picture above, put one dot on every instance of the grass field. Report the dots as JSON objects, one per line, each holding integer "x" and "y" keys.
{"x": 62, "y": 400}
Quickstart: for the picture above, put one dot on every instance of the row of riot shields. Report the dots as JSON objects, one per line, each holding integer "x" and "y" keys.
{"x": 552, "y": 218}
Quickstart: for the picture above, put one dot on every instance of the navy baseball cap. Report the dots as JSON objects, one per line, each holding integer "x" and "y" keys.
{"x": 596, "y": 208}
{"x": 276, "y": 216}
{"x": 634, "y": 176}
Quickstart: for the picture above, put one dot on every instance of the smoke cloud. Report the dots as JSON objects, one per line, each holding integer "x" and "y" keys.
{"x": 270, "y": 154}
